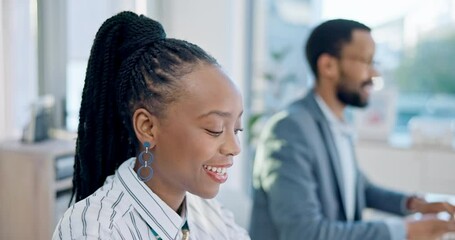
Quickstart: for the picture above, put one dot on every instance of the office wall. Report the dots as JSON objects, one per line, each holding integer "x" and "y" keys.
{"x": 216, "y": 26}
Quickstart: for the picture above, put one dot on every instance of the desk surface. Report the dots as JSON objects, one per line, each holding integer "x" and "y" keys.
{"x": 404, "y": 142}
{"x": 371, "y": 214}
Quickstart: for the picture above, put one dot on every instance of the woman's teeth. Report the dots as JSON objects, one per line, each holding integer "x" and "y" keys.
{"x": 217, "y": 170}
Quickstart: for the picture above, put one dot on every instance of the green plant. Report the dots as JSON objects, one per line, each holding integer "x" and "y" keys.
{"x": 428, "y": 67}
{"x": 277, "y": 78}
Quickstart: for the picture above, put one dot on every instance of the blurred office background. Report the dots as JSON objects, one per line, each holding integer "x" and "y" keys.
{"x": 406, "y": 136}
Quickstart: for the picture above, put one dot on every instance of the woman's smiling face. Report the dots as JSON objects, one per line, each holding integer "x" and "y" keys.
{"x": 197, "y": 139}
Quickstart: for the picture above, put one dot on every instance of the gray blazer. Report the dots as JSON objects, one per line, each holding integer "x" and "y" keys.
{"x": 298, "y": 190}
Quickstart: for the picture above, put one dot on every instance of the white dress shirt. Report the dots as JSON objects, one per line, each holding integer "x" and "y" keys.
{"x": 125, "y": 208}
{"x": 342, "y": 134}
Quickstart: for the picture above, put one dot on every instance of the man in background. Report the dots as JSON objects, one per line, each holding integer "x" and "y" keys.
{"x": 306, "y": 179}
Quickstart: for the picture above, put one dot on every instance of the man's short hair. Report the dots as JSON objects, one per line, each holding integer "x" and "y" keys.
{"x": 329, "y": 37}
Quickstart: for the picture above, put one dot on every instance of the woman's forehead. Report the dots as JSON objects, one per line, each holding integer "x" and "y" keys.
{"x": 208, "y": 87}
{"x": 206, "y": 80}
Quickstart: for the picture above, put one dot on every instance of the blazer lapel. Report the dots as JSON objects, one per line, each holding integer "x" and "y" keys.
{"x": 326, "y": 133}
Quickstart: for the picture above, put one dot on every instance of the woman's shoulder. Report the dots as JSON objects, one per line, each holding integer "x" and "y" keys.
{"x": 95, "y": 215}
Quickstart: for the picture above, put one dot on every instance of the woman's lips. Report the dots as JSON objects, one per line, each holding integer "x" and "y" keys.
{"x": 217, "y": 173}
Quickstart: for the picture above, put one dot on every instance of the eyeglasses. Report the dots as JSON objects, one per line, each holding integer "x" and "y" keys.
{"x": 370, "y": 63}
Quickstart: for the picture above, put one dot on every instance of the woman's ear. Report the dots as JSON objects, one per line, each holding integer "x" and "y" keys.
{"x": 145, "y": 126}
{"x": 327, "y": 66}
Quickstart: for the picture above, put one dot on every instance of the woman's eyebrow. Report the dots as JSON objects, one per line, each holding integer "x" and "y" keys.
{"x": 218, "y": 113}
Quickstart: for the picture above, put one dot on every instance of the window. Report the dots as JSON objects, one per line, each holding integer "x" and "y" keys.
{"x": 416, "y": 49}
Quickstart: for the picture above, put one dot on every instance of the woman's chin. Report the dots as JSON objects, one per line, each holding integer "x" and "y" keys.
{"x": 206, "y": 193}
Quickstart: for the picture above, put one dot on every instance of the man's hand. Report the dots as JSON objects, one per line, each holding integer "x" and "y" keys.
{"x": 416, "y": 204}
{"x": 429, "y": 227}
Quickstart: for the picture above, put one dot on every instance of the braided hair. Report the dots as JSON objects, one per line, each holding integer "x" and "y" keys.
{"x": 132, "y": 65}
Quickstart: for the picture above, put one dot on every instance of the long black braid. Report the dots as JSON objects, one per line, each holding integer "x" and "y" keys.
{"x": 132, "y": 64}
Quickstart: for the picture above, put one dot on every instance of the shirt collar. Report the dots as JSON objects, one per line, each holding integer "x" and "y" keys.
{"x": 326, "y": 111}
{"x": 157, "y": 214}
{"x": 333, "y": 120}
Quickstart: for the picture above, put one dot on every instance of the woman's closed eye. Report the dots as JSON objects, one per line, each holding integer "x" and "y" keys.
{"x": 214, "y": 132}
{"x": 218, "y": 133}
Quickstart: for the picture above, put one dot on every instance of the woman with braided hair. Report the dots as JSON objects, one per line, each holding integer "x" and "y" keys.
{"x": 157, "y": 132}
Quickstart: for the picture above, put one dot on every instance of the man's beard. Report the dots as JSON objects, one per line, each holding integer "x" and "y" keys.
{"x": 351, "y": 96}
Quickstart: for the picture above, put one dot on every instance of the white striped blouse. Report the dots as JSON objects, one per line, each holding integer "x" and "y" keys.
{"x": 125, "y": 208}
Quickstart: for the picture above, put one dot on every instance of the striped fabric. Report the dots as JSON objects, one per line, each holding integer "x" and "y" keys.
{"x": 125, "y": 208}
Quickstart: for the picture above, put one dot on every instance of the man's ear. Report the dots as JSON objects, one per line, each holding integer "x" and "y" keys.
{"x": 327, "y": 66}
{"x": 145, "y": 126}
